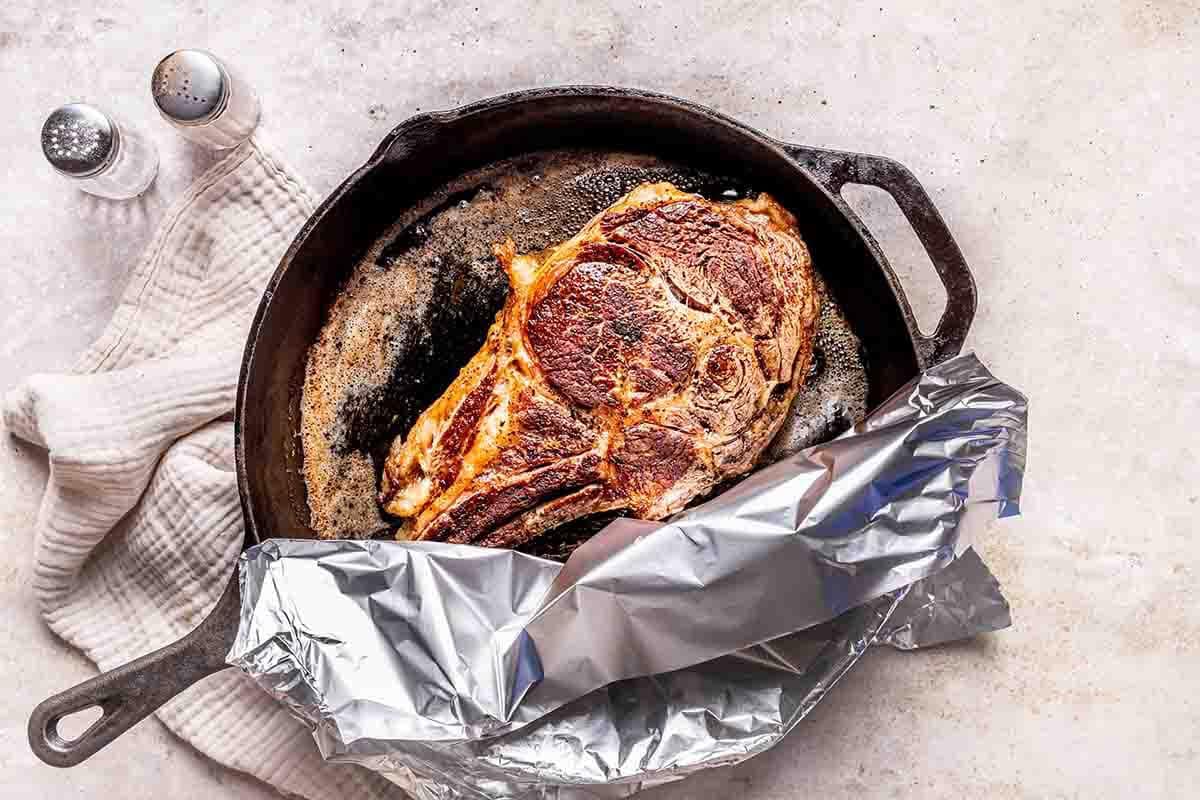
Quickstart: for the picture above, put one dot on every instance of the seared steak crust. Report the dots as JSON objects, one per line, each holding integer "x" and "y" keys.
{"x": 633, "y": 367}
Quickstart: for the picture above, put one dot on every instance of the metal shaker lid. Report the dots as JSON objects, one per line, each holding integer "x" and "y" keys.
{"x": 190, "y": 87}
{"x": 79, "y": 140}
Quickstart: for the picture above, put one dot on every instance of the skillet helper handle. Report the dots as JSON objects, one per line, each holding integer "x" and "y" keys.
{"x": 128, "y": 694}
{"x": 835, "y": 168}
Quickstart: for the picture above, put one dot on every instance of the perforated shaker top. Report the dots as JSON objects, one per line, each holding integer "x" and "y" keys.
{"x": 189, "y": 86}
{"x": 79, "y": 140}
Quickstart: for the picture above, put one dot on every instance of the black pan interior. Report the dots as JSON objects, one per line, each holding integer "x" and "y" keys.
{"x": 420, "y": 169}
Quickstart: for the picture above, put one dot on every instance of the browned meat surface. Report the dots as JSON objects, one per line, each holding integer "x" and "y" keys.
{"x": 632, "y": 367}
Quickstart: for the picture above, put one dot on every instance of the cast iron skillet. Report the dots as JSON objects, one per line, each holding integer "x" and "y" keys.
{"x": 412, "y": 161}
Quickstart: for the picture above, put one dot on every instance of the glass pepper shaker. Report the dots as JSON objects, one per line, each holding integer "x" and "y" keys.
{"x": 103, "y": 157}
{"x": 205, "y": 99}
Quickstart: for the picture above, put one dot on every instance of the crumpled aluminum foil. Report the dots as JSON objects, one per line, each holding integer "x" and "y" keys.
{"x": 659, "y": 648}
{"x": 961, "y": 601}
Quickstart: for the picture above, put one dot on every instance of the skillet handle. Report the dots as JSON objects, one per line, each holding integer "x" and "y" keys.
{"x": 129, "y": 693}
{"x": 834, "y": 169}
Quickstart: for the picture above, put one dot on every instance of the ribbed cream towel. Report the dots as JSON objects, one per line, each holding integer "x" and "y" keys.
{"x": 141, "y": 524}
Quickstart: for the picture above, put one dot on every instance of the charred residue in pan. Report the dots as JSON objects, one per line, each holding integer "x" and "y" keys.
{"x": 419, "y": 305}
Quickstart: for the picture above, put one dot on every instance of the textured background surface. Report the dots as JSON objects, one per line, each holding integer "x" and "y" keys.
{"x": 1053, "y": 142}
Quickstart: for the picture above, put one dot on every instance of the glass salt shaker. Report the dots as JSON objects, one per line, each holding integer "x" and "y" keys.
{"x": 205, "y": 99}
{"x": 100, "y": 155}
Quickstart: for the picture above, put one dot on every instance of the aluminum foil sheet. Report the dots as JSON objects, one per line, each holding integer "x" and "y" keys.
{"x": 659, "y": 648}
{"x": 961, "y": 601}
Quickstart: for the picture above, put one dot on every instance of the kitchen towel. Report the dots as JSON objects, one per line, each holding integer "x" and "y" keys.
{"x": 141, "y": 524}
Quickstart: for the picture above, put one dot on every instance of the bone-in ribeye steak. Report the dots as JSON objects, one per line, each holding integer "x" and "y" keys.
{"x": 632, "y": 367}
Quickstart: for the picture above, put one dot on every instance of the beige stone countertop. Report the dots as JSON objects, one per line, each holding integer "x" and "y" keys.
{"x": 1059, "y": 144}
